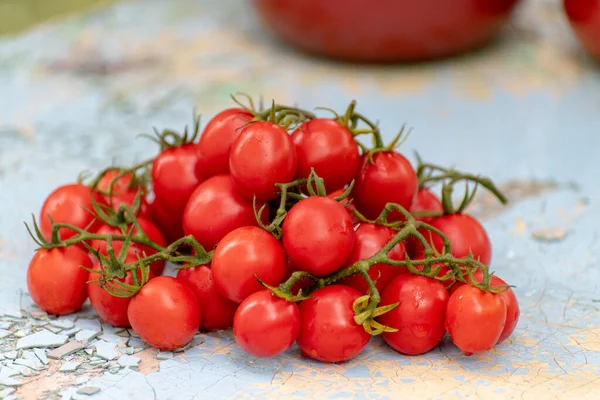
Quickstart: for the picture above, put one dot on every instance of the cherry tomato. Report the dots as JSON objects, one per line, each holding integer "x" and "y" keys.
{"x": 174, "y": 178}
{"x": 420, "y": 315}
{"x": 370, "y": 239}
{"x": 346, "y": 203}
{"x": 318, "y": 235}
{"x": 466, "y": 235}
{"x": 327, "y": 329}
{"x": 390, "y": 179}
{"x": 217, "y": 311}
{"x": 216, "y": 141}
{"x": 584, "y": 17}
{"x": 510, "y": 299}
{"x": 70, "y": 204}
{"x": 475, "y": 319}
{"x": 303, "y": 283}
{"x": 134, "y": 248}
{"x": 265, "y": 325}
{"x": 170, "y": 226}
{"x": 328, "y": 147}
{"x": 165, "y": 313}
{"x": 444, "y": 270}
{"x": 111, "y": 309}
{"x": 56, "y": 281}
{"x": 389, "y": 30}
{"x": 241, "y": 256}
{"x": 125, "y": 183}
{"x": 262, "y": 156}
{"x": 426, "y": 200}
{"x": 215, "y": 209}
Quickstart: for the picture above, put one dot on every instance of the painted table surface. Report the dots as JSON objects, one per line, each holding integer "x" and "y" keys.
{"x": 75, "y": 93}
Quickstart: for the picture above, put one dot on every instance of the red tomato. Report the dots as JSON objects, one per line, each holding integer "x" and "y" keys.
{"x": 148, "y": 228}
{"x": 444, "y": 270}
{"x": 69, "y": 204}
{"x": 265, "y": 325}
{"x": 389, "y": 30}
{"x": 216, "y": 141}
{"x": 121, "y": 185}
{"x": 241, "y": 255}
{"x": 584, "y": 16}
{"x": 370, "y": 239}
{"x": 328, "y": 332}
{"x": 512, "y": 304}
{"x": 318, "y": 235}
{"x": 165, "y": 313}
{"x": 303, "y": 283}
{"x": 170, "y": 226}
{"x": 56, "y": 281}
{"x": 328, "y": 147}
{"x": 262, "y": 156}
{"x": 390, "y": 179}
{"x": 466, "y": 235}
{"x": 112, "y": 309}
{"x": 420, "y": 315}
{"x": 347, "y": 204}
{"x": 217, "y": 311}
{"x": 215, "y": 209}
{"x": 475, "y": 319}
{"x": 128, "y": 199}
{"x": 426, "y": 200}
{"x": 174, "y": 178}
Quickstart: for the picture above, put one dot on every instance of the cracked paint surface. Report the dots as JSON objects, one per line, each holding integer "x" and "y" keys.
{"x": 75, "y": 93}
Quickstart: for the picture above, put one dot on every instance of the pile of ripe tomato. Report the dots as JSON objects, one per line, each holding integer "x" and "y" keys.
{"x": 284, "y": 226}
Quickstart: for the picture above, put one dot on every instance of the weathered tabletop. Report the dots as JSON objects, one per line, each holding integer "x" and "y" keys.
{"x": 75, "y": 93}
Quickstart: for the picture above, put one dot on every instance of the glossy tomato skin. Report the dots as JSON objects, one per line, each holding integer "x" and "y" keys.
{"x": 347, "y": 203}
{"x": 584, "y": 17}
{"x": 215, "y": 209}
{"x": 242, "y": 254}
{"x": 475, "y": 319}
{"x": 56, "y": 281}
{"x": 170, "y": 225}
{"x": 121, "y": 184}
{"x": 148, "y": 228}
{"x": 174, "y": 178}
{"x": 128, "y": 198}
{"x": 466, "y": 235}
{"x": 111, "y": 309}
{"x": 328, "y": 332}
{"x": 262, "y": 156}
{"x": 513, "y": 311}
{"x": 371, "y": 238}
{"x": 426, "y": 200}
{"x": 217, "y": 311}
{"x": 165, "y": 313}
{"x": 318, "y": 235}
{"x": 70, "y": 204}
{"x": 420, "y": 315}
{"x": 389, "y": 179}
{"x": 390, "y": 30}
{"x": 217, "y": 138}
{"x": 328, "y": 147}
{"x": 266, "y": 325}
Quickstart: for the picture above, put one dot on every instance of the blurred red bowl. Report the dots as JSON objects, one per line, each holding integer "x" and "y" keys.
{"x": 584, "y": 16}
{"x": 385, "y": 30}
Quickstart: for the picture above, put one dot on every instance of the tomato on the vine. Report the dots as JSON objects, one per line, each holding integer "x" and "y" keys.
{"x": 124, "y": 191}
{"x": 466, "y": 236}
{"x": 216, "y": 140}
{"x": 174, "y": 179}
{"x": 215, "y": 209}
{"x": 419, "y": 316}
{"x": 475, "y": 319}
{"x": 318, "y": 235}
{"x": 70, "y": 204}
{"x": 169, "y": 225}
{"x": 243, "y": 255}
{"x": 327, "y": 329}
{"x": 426, "y": 201}
{"x": 510, "y": 299}
{"x": 262, "y": 156}
{"x": 371, "y": 238}
{"x": 217, "y": 311}
{"x": 328, "y": 147}
{"x": 151, "y": 231}
{"x": 266, "y": 325}
{"x": 165, "y": 313}
{"x": 389, "y": 179}
{"x": 347, "y": 203}
{"x": 111, "y": 309}
{"x": 56, "y": 280}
